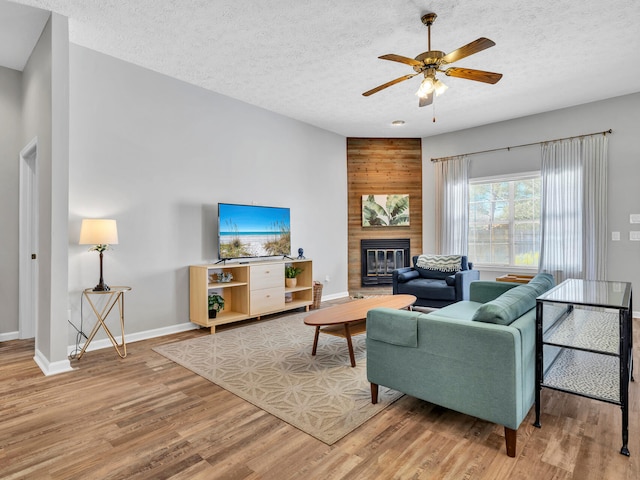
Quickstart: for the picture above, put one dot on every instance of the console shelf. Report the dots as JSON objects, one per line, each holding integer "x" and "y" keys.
{"x": 257, "y": 289}
{"x": 588, "y": 374}
{"x": 590, "y": 330}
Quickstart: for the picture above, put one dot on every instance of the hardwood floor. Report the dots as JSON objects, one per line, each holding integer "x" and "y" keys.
{"x": 147, "y": 417}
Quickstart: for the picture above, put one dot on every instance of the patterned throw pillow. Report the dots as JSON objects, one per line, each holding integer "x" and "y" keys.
{"x": 442, "y": 263}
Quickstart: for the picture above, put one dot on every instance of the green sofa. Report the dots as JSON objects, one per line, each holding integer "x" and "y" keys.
{"x": 476, "y": 357}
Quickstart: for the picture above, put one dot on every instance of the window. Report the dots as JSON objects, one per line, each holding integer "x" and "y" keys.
{"x": 504, "y": 220}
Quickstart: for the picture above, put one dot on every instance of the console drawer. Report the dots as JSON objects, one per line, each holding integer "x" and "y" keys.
{"x": 267, "y": 300}
{"x": 267, "y": 276}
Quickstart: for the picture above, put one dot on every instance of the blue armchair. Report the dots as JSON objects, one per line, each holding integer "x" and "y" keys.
{"x": 437, "y": 285}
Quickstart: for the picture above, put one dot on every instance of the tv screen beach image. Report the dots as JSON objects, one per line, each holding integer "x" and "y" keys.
{"x": 253, "y": 231}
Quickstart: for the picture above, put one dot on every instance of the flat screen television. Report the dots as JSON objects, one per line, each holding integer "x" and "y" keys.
{"x": 249, "y": 231}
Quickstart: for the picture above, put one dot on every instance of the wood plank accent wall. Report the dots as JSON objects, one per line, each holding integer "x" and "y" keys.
{"x": 382, "y": 166}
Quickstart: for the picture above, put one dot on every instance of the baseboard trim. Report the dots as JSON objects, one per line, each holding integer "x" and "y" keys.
{"x": 136, "y": 337}
{"x": 335, "y": 296}
{"x": 51, "y": 368}
{"x": 64, "y": 366}
{"x": 5, "y": 337}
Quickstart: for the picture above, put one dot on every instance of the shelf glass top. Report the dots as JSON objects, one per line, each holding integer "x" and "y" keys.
{"x": 590, "y": 292}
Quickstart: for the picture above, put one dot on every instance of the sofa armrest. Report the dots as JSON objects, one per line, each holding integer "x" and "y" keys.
{"x": 484, "y": 291}
{"x": 403, "y": 332}
{"x": 463, "y": 281}
{"x": 404, "y": 277}
{"x": 398, "y": 271}
{"x": 395, "y": 276}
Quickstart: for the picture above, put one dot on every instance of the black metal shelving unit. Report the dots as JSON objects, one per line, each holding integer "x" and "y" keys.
{"x": 584, "y": 343}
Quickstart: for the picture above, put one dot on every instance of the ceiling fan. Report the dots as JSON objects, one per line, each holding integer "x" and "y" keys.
{"x": 430, "y": 62}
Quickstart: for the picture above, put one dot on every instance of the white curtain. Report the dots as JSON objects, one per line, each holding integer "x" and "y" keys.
{"x": 574, "y": 208}
{"x": 595, "y": 201}
{"x": 452, "y": 206}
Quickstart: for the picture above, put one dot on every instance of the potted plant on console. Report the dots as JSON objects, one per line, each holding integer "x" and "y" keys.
{"x": 290, "y": 274}
{"x": 216, "y": 303}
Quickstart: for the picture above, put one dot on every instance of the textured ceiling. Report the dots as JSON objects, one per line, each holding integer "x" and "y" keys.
{"x": 312, "y": 59}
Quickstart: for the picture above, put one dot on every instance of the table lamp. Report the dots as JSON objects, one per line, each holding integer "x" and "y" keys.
{"x": 100, "y": 233}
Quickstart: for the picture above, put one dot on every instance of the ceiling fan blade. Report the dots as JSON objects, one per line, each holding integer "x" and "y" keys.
{"x": 388, "y": 84}
{"x": 469, "y": 49}
{"x": 424, "y": 101}
{"x": 470, "y": 74}
{"x": 399, "y": 58}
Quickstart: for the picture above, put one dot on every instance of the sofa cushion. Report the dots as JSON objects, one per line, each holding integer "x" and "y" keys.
{"x": 450, "y": 280}
{"x": 515, "y": 302}
{"x": 463, "y": 310}
{"x": 432, "y": 274}
{"x": 508, "y": 306}
{"x": 431, "y": 288}
{"x": 542, "y": 282}
{"x": 406, "y": 276}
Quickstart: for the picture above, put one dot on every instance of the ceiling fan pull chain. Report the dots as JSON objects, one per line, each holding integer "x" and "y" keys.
{"x": 434, "y": 110}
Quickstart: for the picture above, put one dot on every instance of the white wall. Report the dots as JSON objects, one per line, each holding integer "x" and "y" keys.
{"x": 37, "y": 122}
{"x": 45, "y": 116}
{"x": 622, "y": 114}
{"x": 10, "y": 118}
{"x": 158, "y": 155}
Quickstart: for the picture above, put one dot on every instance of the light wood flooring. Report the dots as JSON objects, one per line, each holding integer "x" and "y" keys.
{"x": 146, "y": 417}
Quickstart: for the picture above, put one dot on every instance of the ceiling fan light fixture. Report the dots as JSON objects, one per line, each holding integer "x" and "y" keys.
{"x": 426, "y": 87}
{"x": 439, "y": 87}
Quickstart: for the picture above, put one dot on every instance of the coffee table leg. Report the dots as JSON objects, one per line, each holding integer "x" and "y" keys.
{"x": 315, "y": 341}
{"x": 347, "y": 335}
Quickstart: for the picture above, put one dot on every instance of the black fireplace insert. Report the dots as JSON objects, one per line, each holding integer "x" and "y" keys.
{"x": 380, "y": 257}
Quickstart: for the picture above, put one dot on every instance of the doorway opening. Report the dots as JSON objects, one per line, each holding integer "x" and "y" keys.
{"x": 28, "y": 241}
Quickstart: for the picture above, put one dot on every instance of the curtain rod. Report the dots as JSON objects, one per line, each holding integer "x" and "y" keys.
{"x": 444, "y": 159}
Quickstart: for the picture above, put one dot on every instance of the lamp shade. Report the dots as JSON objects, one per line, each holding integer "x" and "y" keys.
{"x": 98, "y": 231}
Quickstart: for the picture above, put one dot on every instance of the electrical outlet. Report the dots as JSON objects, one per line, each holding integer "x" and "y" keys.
{"x": 634, "y": 236}
{"x": 615, "y": 236}
{"x": 327, "y": 279}
{"x": 634, "y": 218}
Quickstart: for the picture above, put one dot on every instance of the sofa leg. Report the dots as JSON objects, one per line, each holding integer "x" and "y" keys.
{"x": 374, "y": 393}
{"x": 510, "y": 437}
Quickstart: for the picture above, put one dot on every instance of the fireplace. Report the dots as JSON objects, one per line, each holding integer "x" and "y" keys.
{"x": 380, "y": 257}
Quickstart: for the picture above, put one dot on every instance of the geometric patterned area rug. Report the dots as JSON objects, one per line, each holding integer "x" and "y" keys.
{"x": 269, "y": 364}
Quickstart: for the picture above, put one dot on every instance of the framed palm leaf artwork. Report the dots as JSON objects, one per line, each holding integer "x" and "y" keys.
{"x": 390, "y": 210}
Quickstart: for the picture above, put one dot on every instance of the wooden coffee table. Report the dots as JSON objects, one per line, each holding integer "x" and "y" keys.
{"x": 350, "y": 318}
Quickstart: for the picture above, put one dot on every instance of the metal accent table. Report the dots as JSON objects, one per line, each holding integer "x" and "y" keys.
{"x": 584, "y": 337}
{"x": 115, "y": 296}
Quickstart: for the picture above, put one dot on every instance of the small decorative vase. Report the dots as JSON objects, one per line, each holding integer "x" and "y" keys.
{"x": 212, "y": 313}
{"x": 290, "y": 282}
{"x": 225, "y": 277}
